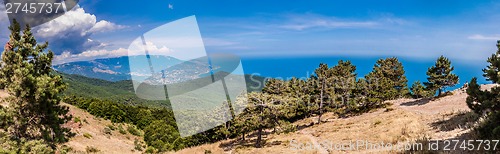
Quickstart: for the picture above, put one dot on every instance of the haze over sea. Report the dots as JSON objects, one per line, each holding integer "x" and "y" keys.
{"x": 287, "y": 67}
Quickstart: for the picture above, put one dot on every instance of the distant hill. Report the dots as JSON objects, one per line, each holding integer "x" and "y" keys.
{"x": 123, "y": 91}
{"x": 120, "y": 91}
{"x": 110, "y": 69}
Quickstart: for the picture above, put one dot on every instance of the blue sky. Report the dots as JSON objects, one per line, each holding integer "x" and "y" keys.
{"x": 421, "y": 30}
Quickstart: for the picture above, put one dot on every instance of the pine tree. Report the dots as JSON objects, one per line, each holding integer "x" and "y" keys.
{"x": 274, "y": 86}
{"x": 27, "y": 76}
{"x": 440, "y": 75}
{"x": 418, "y": 90}
{"x": 387, "y": 80}
{"x": 297, "y": 88}
{"x": 487, "y": 102}
{"x": 322, "y": 83}
{"x": 263, "y": 112}
{"x": 344, "y": 81}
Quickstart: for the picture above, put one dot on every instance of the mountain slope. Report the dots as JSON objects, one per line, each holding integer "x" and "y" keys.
{"x": 111, "y": 69}
{"x": 90, "y": 133}
{"x": 123, "y": 91}
{"x": 406, "y": 120}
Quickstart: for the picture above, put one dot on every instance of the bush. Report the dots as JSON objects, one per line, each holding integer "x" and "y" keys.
{"x": 107, "y": 131}
{"x": 121, "y": 130}
{"x": 87, "y": 135}
{"x": 137, "y": 145}
{"x": 134, "y": 131}
{"x": 65, "y": 149}
{"x": 36, "y": 146}
{"x": 112, "y": 127}
{"x": 91, "y": 149}
{"x": 77, "y": 120}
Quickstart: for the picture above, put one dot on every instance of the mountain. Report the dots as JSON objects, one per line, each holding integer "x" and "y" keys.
{"x": 110, "y": 69}
{"x": 123, "y": 91}
{"x": 119, "y": 91}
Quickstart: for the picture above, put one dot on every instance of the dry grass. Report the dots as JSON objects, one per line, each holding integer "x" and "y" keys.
{"x": 100, "y": 139}
{"x": 406, "y": 121}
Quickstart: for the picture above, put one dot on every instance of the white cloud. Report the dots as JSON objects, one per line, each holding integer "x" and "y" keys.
{"x": 75, "y": 21}
{"x": 104, "y": 26}
{"x": 482, "y": 37}
{"x": 72, "y": 31}
{"x": 308, "y": 21}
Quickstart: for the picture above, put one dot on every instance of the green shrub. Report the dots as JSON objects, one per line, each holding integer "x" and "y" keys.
{"x": 112, "y": 127}
{"x": 91, "y": 149}
{"x": 121, "y": 130}
{"x": 77, "y": 120}
{"x": 107, "y": 131}
{"x": 134, "y": 131}
{"x": 65, "y": 149}
{"x": 137, "y": 145}
{"x": 87, "y": 135}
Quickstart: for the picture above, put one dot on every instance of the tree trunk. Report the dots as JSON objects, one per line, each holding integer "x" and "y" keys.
{"x": 321, "y": 102}
{"x": 259, "y": 134}
{"x": 259, "y": 138}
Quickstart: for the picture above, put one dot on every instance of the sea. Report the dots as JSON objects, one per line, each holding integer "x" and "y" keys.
{"x": 303, "y": 67}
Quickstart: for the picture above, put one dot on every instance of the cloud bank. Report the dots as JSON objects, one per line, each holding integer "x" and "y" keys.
{"x": 72, "y": 31}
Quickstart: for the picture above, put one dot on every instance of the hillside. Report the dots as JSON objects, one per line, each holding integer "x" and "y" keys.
{"x": 123, "y": 91}
{"x": 90, "y": 133}
{"x": 406, "y": 120}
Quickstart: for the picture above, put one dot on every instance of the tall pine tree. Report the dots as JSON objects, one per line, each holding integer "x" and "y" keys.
{"x": 27, "y": 76}
{"x": 440, "y": 75}
{"x": 344, "y": 81}
{"x": 487, "y": 102}
{"x": 387, "y": 80}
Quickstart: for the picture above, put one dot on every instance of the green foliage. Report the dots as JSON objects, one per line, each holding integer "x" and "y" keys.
{"x": 64, "y": 149}
{"x": 87, "y": 135}
{"x": 344, "y": 81}
{"x": 387, "y": 81}
{"x": 77, "y": 120}
{"x": 91, "y": 149}
{"x": 121, "y": 130}
{"x": 264, "y": 111}
{"x": 134, "y": 131}
{"x": 420, "y": 91}
{"x": 121, "y": 91}
{"x": 112, "y": 127}
{"x": 487, "y": 102}
{"x": 107, "y": 131}
{"x": 7, "y": 145}
{"x": 440, "y": 75}
{"x": 162, "y": 136}
{"x": 34, "y": 89}
{"x": 138, "y": 145}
